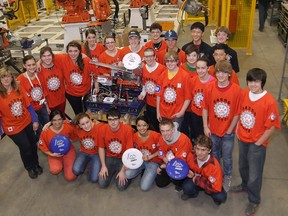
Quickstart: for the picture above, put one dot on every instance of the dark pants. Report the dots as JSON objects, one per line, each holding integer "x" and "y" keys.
{"x": 192, "y": 190}
{"x": 151, "y": 115}
{"x": 186, "y": 124}
{"x": 251, "y": 165}
{"x": 26, "y": 140}
{"x": 75, "y": 102}
{"x": 164, "y": 180}
{"x": 116, "y": 8}
{"x": 43, "y": 116}
{"x": 263, "y": 8}
{"x": 196, "y": 126}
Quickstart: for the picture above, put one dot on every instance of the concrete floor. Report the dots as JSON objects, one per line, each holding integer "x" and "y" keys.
{"x": 52, "y": 195}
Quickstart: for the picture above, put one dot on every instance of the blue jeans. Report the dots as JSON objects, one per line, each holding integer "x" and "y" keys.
{"x": 81, "y": 162}
{"x": 149, "y": 175}
{"x": 223, "y": 148}
{"x": 43, "y": 115}
{"x": 192, "y": 190}
{"x": 114, "y": 166}
{"x": 251, "y": 165}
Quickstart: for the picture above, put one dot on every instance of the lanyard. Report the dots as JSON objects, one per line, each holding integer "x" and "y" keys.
{"x": 26, "y": 74}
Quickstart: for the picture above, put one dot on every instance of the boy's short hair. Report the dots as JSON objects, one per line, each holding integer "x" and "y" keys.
{"x": 113, "y": 112}
{"x": 155, "y": 25}
{"x": 204, "y": 141}
{"x": 191, "y": 48}
{"x": 198, "y": 25}
{"x": 223, "y": 66}
{"x": 257, "y": 74}
{"x": 205, "y": 59}
{"x": 223, "y": 29}
{"x": 220, "y": 47}
{"x": 166, "y": 121}
{"x": 148, "y": 49}
{"x": 172, "y": 54}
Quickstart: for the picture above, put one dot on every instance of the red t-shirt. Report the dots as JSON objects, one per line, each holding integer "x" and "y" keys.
{"x": 116, "y": 142}
{"x": 173, "y": 92}
{"x": 161, "y": 57}
{"x": 256, "y": 117}
{"x": 148, "y": 147}
{"x": 95, "y": 53}
{"x": 34, "y": 90}
{"x": 53, "y": 86}
{"x": 193, "y": 73}
{"x": 233, "y": 78}
{"x": 149, "y": 81}
{"x": 107, "y": 59}
{"x": 77, "y": 82}
{"x": 126, "y": 50}
{"x": 47, "y": 135}
{"x": 222, "y": 106}
{"x": 163, "y": 46}
{"x": 14, "y": 113}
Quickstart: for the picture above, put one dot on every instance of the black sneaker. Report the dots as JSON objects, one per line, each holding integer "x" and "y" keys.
{"x": 32, "y": 174}
{"x": 178, "y": 188}
{"x": 217, "y": 203}
{"x": 251, "y": 209}
{"x": 38, "y": 170}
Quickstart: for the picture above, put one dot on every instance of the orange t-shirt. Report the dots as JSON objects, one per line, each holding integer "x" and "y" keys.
{"x": 210, "y": 175}
{"x": 115, "y": 142}
{"x": 173, "y": 93}
{"x": 47, "y": 135}
{"x": 53, "y": 86}
{"x": 148, "y": 147}
{"x": 197, "y": 89}
{"x": 193, "y": 73}
{"x": 95, "y": 53}
{"x": 256, "y": 117}
{"x": 161, "y": 57}
{"x": 179, "y": 149}
{"x": 126, "y": 50}
{"x": 34, "y": 90}
{"x": 107, "y": 59}
{"x": 14, "y": 113}
{"x": 88, "y": 140}
{"x": 77, "y": 82}
{"x": 233, "y": 78}
{"x": 163, "y": 46}
{"x": 222, "y": 106}
{"x": 149, "y": 81}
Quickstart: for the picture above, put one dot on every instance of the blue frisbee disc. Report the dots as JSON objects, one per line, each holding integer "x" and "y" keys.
{"x": 60, "y": 144}
{"x": 177, "y": 169}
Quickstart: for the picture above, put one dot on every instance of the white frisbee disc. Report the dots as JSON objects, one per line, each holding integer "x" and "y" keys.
{"x": 131, "y": 61}
{"x": 132, "y": 158}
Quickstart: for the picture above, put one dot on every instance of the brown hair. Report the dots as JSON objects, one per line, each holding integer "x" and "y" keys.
{"x": 78, "y": 117}
{"x": 79, "y": 60}
{"x": 172, "y": 54}
{"x": 223, "y": 66}
{"x": 223, "y": 29}
{"x": 166, "y": 121}
{"x": 204, "y": 141}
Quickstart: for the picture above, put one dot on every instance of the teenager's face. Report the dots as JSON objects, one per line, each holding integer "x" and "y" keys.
{"x": 219, "y": 55}
{"x": 6, "y": 80}
{"x": 196, "y": 34}
{"x": 134, "y": 41}
{"x": 110, "y": 44}
{"x": 113, "y": 122}
{"x": 30, "y": 66}
{"x": 85, "y": 124}
{"x": 142, "y": 127}
{"x": 171, "y": 43}
{"x": 155, "y": 34}
{"x": 222, "y": 37}
{"x": 73, "y": 53}
{"x": 167, "y": 132}
{"x": 47, "y": 58}
{"x": 222, "y": 77}
{"x": 57, "y": 121}
{"x": 192, "y": 58}
{"x": 202, "y": 69}
{"x": 202, "y": 152}
{"x": 171, "y": 63}
{"x": 149, "y": 58}
{"x": 255, "y": 86}
{"x": 91, "y": 39}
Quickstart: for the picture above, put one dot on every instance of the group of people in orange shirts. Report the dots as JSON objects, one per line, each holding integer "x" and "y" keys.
{"x": 193, "y": 99}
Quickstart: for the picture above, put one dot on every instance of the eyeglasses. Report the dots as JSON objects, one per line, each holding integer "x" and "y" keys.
{"x": 112, "y": 42}
{"x": 149, "y": 56}
{"x": 170, "y": 61}
{"x": 113, "y": 119}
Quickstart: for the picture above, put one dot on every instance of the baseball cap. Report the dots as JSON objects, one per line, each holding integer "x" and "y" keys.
{"x": 170, "y": 34}
{"x": 133, "y": 33}
{"x": 198, "y": 25}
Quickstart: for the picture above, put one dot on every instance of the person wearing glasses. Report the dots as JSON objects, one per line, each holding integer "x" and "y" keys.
{"x": 173, "y": 94}
{"x": 110, "y": 56}
{"x": 156, "y": 43}
{"x": 114, "y": 139}
{"x": 205, "y": 173}
{"x": 150, "y": 74}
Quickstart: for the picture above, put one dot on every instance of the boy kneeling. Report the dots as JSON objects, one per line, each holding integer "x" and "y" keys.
{"x": 205, "y": 173}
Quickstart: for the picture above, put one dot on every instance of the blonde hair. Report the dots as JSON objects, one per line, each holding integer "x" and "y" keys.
{"x": 4, "y": 71}
{"x": 172, "y": 54}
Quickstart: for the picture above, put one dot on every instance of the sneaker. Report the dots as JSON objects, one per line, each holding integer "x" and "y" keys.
{"x": 227, "y": 183}
{"x": 251, "y": 209}
{"x": 238, "y": 189}
{"x": 217, "y": 203}
{"x": 38, "y": 170}
{"x": 32, "y": 174}
{"x": 178, "y": 188}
